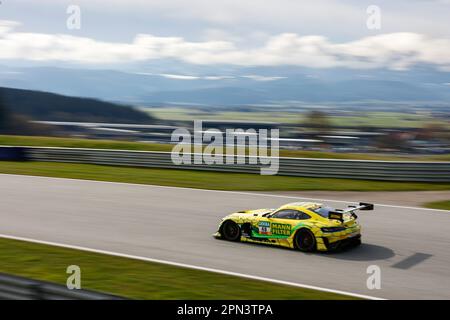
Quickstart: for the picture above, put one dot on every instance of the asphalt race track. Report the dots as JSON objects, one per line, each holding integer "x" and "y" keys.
{"x": 410, "y": 245}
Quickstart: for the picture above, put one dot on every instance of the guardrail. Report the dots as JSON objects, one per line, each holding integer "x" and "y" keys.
{"x": 19, "y": 288}
{"x": 12, "y": 153}
{"x": 302, "y": 167}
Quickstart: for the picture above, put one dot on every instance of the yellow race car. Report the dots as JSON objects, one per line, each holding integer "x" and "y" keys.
{"x": 304, "y": 226}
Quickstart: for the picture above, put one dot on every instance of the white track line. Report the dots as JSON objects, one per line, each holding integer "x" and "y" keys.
{"x": 183, "y": 265}
{"x": 225, "y": 191}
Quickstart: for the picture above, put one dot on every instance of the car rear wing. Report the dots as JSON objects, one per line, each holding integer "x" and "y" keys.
{"x": 338, "y": 214}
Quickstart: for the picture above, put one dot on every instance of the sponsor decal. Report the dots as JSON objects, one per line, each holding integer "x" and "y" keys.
{"x": 281, "y": 229}
{"x": 264, "y": 227}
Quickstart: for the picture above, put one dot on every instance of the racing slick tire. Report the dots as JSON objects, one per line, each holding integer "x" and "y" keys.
{"x": 305, "y": 240}
{"x": 230, "y": 231}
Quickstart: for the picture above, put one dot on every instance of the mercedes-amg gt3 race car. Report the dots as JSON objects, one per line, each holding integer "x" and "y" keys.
{"x": 304, "y": 226}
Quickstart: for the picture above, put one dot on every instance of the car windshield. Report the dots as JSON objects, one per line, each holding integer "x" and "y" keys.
{"x": 323, "y": 211}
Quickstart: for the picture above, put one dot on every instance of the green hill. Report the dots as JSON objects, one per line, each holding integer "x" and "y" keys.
{"x": 39, "y": 105}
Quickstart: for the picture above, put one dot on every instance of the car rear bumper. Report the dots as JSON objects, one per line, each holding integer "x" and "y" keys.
{"x": 352, "y": 241}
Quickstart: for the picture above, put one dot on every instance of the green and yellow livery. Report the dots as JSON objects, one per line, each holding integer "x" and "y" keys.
{"x": 305, "y": 226}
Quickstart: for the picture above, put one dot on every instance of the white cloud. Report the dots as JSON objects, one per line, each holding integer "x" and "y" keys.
{"x": 7, "y": 26}
{"x": 395, "y": 50}
{"x": 218, "y": 77}
{"x": 179, "y": 76}
{"x": 256, "y": 77}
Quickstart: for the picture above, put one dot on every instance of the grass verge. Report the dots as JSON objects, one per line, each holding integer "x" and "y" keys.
{"x": 139, "y": 279}
{"x": 443, "y": 205}
{"x": 32, "y": 141}
{"x": 206, "y": 180}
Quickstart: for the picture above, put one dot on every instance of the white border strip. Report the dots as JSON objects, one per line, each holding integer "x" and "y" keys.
{"x": 189, "y": 266}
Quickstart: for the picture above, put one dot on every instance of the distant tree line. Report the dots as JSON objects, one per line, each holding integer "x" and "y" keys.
{"x": 53, "y": 107}
{"x": 12, "y": 123}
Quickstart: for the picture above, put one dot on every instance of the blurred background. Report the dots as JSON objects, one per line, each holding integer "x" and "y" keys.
{"x": 355, "y": 81}
{"x": 86, "y": 86}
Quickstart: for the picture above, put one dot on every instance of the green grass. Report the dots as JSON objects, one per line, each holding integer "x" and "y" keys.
{"x": 385, "y": 119}
{"x": 363, "y": 119}
{"x": 138, "y": 279}
{"x": 125, "y": 145}
{"x": 32, "y": 141}
{"x": 206, "y": 180}
{"x": 443, "y": 205}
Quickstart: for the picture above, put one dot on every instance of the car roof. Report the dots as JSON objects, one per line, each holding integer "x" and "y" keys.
{"x": 301, "y": 205}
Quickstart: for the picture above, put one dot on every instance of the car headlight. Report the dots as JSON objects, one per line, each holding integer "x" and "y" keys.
{"x": 332, "y": 229}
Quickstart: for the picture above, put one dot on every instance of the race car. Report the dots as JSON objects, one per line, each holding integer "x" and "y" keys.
{"x": 304, "y": 226}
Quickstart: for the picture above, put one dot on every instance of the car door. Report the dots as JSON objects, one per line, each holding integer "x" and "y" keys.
{"x": 282, "y": 222}
{"x": 278, "y": 225}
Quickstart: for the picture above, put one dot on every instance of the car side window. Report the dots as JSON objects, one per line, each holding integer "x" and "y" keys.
{"x": 304, "y": 216}
{"x": 290, "y": 214}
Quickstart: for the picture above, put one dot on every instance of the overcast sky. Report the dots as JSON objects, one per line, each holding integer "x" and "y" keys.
{"x": 319, "y": 33}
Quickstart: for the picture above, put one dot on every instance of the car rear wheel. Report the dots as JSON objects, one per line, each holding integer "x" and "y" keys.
{"x": 305, "y": 240}
{"x": 231, "y": 231}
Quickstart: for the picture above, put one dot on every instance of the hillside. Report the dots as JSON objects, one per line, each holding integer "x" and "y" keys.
{"x": 39, "y": 105}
